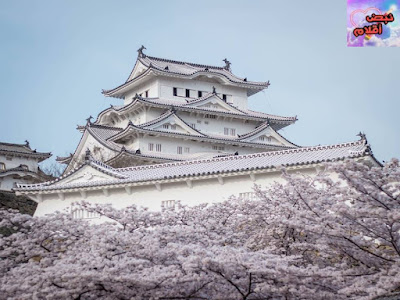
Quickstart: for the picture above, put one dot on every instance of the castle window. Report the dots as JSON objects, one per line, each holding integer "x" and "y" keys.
{"x": 158, "y": 147}
{"x": 207, "y": 116}
{"x": 187, "y": 93}
{"x": 151, "y": 147}
{"x": 146, "y": 93}
{"x": 265, "y": 138}
{"x": 173, "y": 127}
{"x": 230, "y": 131}
{"x": 165, "y": 126}
{"x": 167, "y": 204}
{"x": 200, "y": 94}
{"x": 219, "y": 148}
{"x": 193, "y": 125}
{"x": 2, "y": 166}
{"x": 199, "y": 121}
{"x": 187, "y": 150}
{"x": 175, "y": 91}
{"x": 224, "y": 97}
{"x": 179, "y": 150}
{"x": 206, "y": 122}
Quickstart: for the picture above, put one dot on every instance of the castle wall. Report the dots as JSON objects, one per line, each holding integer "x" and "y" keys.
{"x": 205, "y": 190}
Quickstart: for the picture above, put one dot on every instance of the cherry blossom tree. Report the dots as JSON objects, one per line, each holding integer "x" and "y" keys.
{"x": 309, "y": 238}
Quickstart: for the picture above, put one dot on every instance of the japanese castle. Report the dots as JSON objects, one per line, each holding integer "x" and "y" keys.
{"x": 183, "y": 134}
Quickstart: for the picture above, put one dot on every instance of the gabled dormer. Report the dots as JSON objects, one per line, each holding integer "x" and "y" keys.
{"x": 265, "y": 134}
{"x": 213, "y": 102}
{"x": 170, "y": 122}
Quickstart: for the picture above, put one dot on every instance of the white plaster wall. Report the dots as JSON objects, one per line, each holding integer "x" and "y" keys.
{"x": 169, "y": 145}
{"x": 16, "y": 161}
{"x": 7, "y": 183}
{"x": 151, "y": 85}
{"x": 202, "y": 191}
{"x": 239, "y": 95}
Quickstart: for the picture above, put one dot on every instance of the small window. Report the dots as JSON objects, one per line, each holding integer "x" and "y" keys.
{"x": 2, "y": 166}
{"x": 165, "y": 126}
{"x": 158, "y": 147}
{"x": 193, "y": 125}
{"x": 179, "y": 150}
{"x": 230, "y": 131}
{"x": 140, "y": 94}
{"x": 220, "y": 148}
{"x": 187, "y": 93}
{"x": 25, "y": 167}
{"x": 151, "y": 147}
{"x": 146, "y": 94}
{"x": 168, "y": 204}
{"x": 207, "y": 116}
{"x": 206, "y": 122}
{"x": 224, "y": 97}
{"x": 175, "y": 91}
{"x": 187, "y": 150}
{"x": 200, "y": 94}
{"x": 199, "y": 121}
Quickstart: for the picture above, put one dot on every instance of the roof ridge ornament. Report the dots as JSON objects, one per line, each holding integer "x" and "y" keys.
{"x": 140, "y": 51}
{"x": 27, "y": 143}
{"x": 88, "y": 122}
{"x": 214, "y": 90}
{"x": 362, "y": 136}
{"x": 227, "y": 64}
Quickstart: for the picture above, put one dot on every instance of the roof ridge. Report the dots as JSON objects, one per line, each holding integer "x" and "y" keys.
{"x": 243, "y": 156}
{"x": 185, "y": 63}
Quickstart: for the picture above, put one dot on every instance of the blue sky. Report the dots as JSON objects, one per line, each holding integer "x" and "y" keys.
{"x": 56, "y": 56}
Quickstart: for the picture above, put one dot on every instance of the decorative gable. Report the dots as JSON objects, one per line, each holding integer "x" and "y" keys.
{"x": 170, "y": 122}
{"x": 265, "y": 134}
{"x": 213, "y": 102}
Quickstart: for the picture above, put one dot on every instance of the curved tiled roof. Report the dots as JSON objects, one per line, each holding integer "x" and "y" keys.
{"x": 170, "y": 67}
{"x": 180, "y": 106}
{"x": 215, "y": 166}
{"x": 22, "y": 150}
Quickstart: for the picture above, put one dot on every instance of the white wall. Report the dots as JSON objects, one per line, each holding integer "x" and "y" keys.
{"x": 238, "y": 95}
{"x": 15, "y": 161}
{"x": 202, "y": 191}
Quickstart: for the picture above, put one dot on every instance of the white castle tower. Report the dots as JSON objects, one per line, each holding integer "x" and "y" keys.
{"x": 184, "y": 134}
{"x": 175, "y": 111}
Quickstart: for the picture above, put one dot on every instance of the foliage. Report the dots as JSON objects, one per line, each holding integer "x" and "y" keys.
{"x": 311, "y": 238}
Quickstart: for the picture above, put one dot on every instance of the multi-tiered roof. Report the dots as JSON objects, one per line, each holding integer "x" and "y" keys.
{"x": 212, "y": 121}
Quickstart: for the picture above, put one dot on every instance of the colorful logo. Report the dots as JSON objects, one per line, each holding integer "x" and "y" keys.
{"x": 373, "y": 23}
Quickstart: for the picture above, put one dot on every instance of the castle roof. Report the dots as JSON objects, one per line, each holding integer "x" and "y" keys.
{"x": 150, "y": 65}
{"x": 277, "y": 122}
{"x": 23, "y": 150}
{"x": 206, "y": 167}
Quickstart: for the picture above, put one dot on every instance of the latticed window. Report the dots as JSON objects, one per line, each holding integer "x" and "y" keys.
{"x": 151, "y": 147}
{"x": 2, "y": 166}
{"x": 179, "y": 150}
{"x": 158, "y": 147}
{"x": 187, "y": 149}
{"x": 165, "y": 126}
{"x": 248, "y": 196}
{"x": 84, "y": 214}
{"x": 168, "y": 204}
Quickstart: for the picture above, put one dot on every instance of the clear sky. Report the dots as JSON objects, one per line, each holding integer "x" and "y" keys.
{"x": 56, "y": 56}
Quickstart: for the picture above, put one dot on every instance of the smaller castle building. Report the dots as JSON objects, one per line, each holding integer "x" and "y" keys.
{"x": 20, "y": 164}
